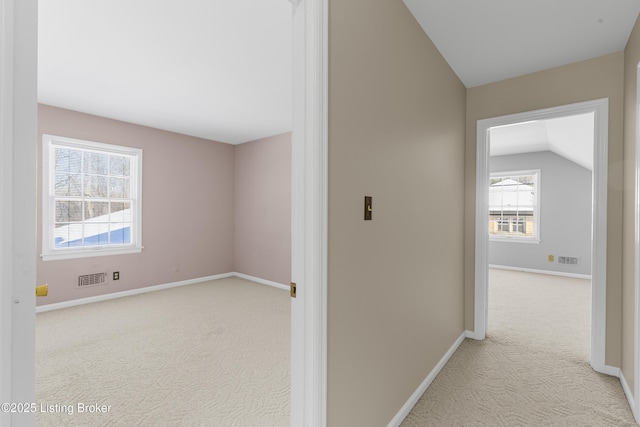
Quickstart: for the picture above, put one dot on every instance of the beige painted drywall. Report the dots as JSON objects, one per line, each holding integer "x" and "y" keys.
{"x": 593, "y": 79}
{"x": 262, "y": 194}
{"x": 631, "y": 60}
{"x": 187, "y": 208}
{"x": 395, "y": 284}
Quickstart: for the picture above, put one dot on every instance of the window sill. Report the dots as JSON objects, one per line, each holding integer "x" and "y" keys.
{"x": 88, "y": 253}
{"x": 514, "y": 239}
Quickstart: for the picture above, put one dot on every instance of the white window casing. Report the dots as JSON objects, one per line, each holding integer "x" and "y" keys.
{"x": 515, "y": 227}
{"x": 91, "y": 199}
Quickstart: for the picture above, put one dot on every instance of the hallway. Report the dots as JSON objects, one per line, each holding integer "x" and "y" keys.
{"x": 533, "y": 367}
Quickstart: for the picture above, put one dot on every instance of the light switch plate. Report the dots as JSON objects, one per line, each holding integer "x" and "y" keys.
{"x": 368, "y": 208}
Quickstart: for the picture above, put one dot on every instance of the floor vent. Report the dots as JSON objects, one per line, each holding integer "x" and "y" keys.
{"x": 568, "y": 260}
{"x": 92, "y": 279}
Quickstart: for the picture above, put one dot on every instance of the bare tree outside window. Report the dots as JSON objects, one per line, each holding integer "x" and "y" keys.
{"x": 92, "y": 197}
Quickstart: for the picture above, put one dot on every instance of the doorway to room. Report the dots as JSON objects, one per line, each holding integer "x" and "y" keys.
{"x": 508, "y": 235}
{"x": 540, "y": 199}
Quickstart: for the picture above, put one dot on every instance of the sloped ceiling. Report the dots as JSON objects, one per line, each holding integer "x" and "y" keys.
{"x": 221, "y": 69}
{"x": 570, "y": 137}
{"x": 491, "y": 40}
{"x": 216, "y": 69}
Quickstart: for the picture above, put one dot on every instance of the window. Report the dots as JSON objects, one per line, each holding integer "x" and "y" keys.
{"x": 91, "y": 198}
{"x": 513, "y": 206}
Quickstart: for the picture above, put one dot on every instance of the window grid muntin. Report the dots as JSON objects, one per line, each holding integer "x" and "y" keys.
{"x": 133, "y": 230}
{"x": 516, "y": 219}
{"x": 87, "y": 173}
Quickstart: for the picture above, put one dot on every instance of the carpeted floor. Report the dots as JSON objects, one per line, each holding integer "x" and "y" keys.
{"x": 533, "y": 368}
{"x": 210, "y": 354}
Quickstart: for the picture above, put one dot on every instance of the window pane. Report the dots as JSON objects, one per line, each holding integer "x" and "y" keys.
{"x": 120, "y": 187}
{"x": 68, "y": 211}
{"x": 96, "y": 233}
{"x": 68, "y": 185}
{"x": 119, "y": 165}
{"x": 512, "y": 205}
{"x": 121, "y": 233}
{"x": 67, "y": 235}
{"x": 68, "y": 160}
{"x": 90, "y": 200}
{"x": 94, "y": 210}
{"x": 61, "y": 236}
{"x": 95, "y": 163}
{"x": 95, "y": 186}
{"x": 120, "y": 207}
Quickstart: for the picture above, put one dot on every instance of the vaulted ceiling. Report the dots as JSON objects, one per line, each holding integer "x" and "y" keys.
{"x": 491, "y": 40}
{"x": 570, "y": 137}
{"x": 221, "y": 69}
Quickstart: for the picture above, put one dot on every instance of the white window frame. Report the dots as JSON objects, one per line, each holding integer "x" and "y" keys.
{"x": 536, "y": 211}
{"x": 49, "y": 251}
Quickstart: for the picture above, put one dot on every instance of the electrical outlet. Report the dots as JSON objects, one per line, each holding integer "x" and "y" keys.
{"x": 116, "y": 275}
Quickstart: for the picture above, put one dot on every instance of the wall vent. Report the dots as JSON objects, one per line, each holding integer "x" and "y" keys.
{"x": 568, "y": 260}
{"x": 92, "y": 279}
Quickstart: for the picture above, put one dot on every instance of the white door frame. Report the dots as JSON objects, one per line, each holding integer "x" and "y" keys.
{"x": 600, "y": 108}
{"x": 636, "y": 337}
{"x": 18, "y": 136}
{"x": 309, "y": 214}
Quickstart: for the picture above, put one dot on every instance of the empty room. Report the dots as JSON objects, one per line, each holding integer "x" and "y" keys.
{"x": 164, "y": 213}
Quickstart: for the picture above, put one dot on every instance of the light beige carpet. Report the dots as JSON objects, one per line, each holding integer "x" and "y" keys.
{"x": 210, "y": 354}
{"x": 533, "y": 368}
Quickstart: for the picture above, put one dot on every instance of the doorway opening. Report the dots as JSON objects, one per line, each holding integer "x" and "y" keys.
{"x": 18, "y": 123}
{"x": 598, "y": 111}
{"x": 540, "y": 198}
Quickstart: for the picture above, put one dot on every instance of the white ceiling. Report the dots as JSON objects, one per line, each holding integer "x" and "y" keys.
{"x": 491, "y": 40}
{"x": 221, "y": 69}
{"x": 217, "y": 69}
{"x": 570, "y": 137}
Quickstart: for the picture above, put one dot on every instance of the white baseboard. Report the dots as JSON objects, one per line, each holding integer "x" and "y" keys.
{"x": 549, "y": 272}
{"x": 472, "y": 335}
{"x": 406, "y": 408}
{"x": 612, "y": 370}
{"x": 263, "y": 281}
{"x": 114, "y": 295}
{"x": 630, "y": 399}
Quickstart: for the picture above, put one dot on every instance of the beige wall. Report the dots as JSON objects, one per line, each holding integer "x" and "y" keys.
{"x": 262, "y": 188}
{"x": 593, "y": 79}
{"x": 395, "y": 284}
{"x": 631, "y": 60}
{"x": 187, "y": 208}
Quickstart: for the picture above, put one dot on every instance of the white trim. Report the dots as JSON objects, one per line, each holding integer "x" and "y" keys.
{"x": 599, "y": 236}
{"x": 470, "y": 334}
{"x": 536, "y": 211}
{"x": 309, "y": 214}
{"x": 90, "y": 252}
{"x": 548, "y": 272}
{"x": 481, "y": 274}
{"x": 138, "y": 291}
{"x": 6, "y": 201}
{"x": 49, "y": 251}
{"x": 262, "y": 281}
{"x": 406, "y": 408}
{"x": 600, "y": 108}
{"x": 511, "y": 239}
{"x": 18, "y": 131}
{"x": 636, "y": 315}
{"x": 629, "y": 396}
{"x": 611, "y": 371}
